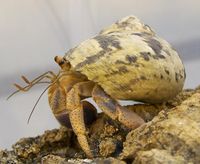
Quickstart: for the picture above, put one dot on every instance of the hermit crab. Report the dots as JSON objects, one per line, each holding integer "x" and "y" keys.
{"x": 125, "y": 61}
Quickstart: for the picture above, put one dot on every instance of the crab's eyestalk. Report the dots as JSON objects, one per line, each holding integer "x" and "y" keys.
{"x": 63, "y": 63}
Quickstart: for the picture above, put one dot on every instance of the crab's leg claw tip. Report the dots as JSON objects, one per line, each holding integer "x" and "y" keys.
{"x": 85, "y": 146}
{"x": 25, "y": 79}
{"x": 18, "y": 87}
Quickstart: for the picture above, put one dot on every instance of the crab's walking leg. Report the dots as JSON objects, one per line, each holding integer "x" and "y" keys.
{"x": 114, "y": 110}
{"x": 76, "y": 115}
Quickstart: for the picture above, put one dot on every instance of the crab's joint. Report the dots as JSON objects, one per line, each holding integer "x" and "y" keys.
{"x": 114, "y": 110}
{"x": 63, "y": 63}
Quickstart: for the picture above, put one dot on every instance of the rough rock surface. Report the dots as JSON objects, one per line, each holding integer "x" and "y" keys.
{"x": 171, "y": 135}
{"x": 176, "y": 131}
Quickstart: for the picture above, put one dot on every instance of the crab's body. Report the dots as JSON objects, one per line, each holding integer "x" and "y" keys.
{"x": 126, "y": 61}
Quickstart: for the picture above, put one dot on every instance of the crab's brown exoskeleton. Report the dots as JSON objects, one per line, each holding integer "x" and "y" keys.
{"x": 126, "y": 61}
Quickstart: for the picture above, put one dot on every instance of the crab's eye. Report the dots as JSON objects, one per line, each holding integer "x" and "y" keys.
{"x": 62, "y": 62}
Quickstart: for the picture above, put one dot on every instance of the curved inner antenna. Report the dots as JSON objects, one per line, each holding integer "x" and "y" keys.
{"x": 37, "y": 103}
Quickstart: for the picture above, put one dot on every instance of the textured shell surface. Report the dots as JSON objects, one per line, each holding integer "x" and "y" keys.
{"x": 130, "y": 62}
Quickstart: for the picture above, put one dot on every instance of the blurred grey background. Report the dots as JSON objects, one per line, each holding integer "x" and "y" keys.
{"x": 33, "y": 32}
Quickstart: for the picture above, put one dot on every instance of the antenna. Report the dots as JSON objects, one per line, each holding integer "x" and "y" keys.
{"x": 37, "y": 103}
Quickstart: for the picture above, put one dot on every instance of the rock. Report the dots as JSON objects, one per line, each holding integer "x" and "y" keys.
{"x": 107, "y": 147}
{"x": 53, "y": 159}
{"x": 8, "y": 157}
{"x": 171, "y": 135}
{"x": 108, "y": 161}
{"x": 33, "y": 149}
{"x": 157, "y": 156}
{"x": 50, "y": 159}
{"x": 176, "y": 131}
{"x": 107, "y": 137}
